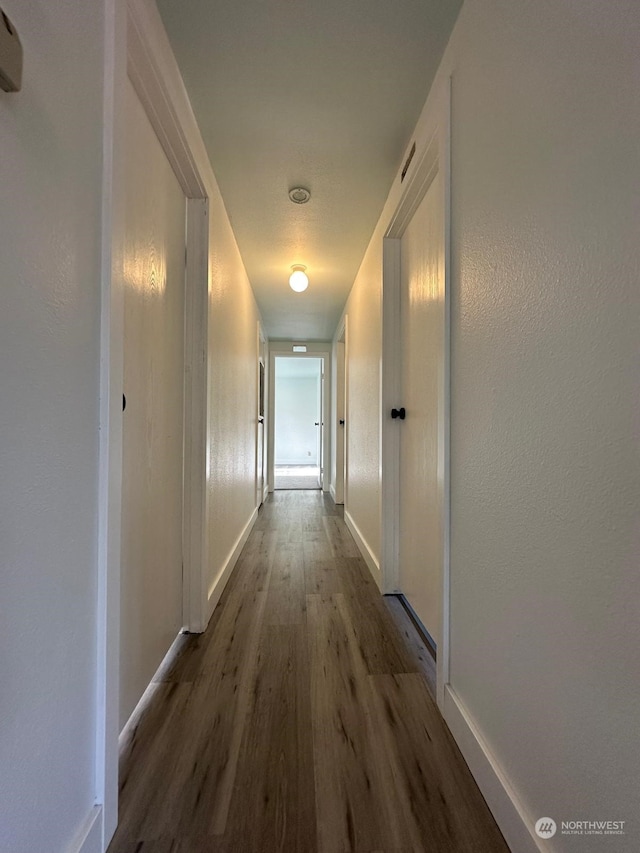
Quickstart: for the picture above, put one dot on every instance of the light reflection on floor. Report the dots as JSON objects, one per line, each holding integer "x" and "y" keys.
{"x": 297, "y": 477}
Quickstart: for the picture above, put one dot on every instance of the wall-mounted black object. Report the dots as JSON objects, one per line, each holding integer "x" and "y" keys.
{"x": 398, "y": 413}
{"x": 10, "y": 56}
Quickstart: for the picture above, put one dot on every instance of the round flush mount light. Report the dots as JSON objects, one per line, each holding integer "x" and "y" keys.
{"x": 298, "y": 280}
{"x": 299, "y": 195}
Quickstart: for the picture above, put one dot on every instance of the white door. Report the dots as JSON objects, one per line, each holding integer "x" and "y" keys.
{"x": 422, "y": 311}
{"x": 154, "y": 305}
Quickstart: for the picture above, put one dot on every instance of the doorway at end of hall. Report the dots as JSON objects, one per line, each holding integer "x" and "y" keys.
{"x": 298, "y": 426}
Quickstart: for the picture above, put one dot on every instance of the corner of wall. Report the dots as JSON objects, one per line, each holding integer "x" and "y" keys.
{"x": 505, "y": 805}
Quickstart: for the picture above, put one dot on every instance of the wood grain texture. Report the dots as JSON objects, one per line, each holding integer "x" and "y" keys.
{"x": 274, "y": 802}
{"x": 436, "y": 795}
{"x": 301, "y": 720}
{"x": 421, "y": 657}
{"x": 350, "y": 791}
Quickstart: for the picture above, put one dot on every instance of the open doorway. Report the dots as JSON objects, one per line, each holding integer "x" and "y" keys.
{"x": 298, "y": 422}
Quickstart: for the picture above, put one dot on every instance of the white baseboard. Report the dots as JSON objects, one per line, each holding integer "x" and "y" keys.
{"x": 367, "y": 553}
{"x": 332, "y": 492}
{"x": 507, "y": 809}
{"x": 165, "y": 665}
{"x": 89, "y": 837}
{"x": 217, "y": 587}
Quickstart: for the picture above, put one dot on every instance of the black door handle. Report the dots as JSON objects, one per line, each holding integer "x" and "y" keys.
{"x": 317, "y": 423}
{"x": 341, "y": 421}
{"x": 398, "y": 413}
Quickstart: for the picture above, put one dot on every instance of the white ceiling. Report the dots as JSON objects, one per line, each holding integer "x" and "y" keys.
{"x": 315, "y": 93}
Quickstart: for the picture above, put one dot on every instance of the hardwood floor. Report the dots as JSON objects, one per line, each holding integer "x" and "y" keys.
{"x": 302, "y": 720}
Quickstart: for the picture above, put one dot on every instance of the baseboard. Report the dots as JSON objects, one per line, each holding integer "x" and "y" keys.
{"x": 217, "y": 587}
{"x": 511, "y": 816}
{"x": 332, "y": 492}
{"x": 367, "y": 553}
{"x": 265, "y": 492}
{"x": 142, "y": 704}
{"x": 89, "y": 837}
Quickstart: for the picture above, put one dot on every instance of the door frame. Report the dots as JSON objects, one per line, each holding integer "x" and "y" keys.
{"x": 314, "y": 350}
{"x": 137, "y": 46}
{"x": 433, "y": 157}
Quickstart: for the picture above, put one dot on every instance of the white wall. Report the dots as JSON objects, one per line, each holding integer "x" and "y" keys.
{"x": 297, "y": 410}
{"x": 544, "y": 377}
{"x": 233, "y": 394}
{"x": 232, "y": 350}
{"x": 51, "y": 136}
{"x": 362, "y": 503}
{"x": 50, "y": 209}
{"x": 544, "y": 472}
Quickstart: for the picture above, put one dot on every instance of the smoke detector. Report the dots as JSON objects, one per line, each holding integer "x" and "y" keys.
{"x": 299, "y": 195}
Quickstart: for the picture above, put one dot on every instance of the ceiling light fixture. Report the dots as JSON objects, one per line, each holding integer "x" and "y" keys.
{"x": 298, "y": 280}
{"x": 299, "y": 195}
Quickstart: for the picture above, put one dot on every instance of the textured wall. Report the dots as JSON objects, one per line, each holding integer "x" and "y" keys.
{"x": 545, "y": 581}
{"x": 50, "y": 189}
{"x": 363, "y": 310}
{"x": 544, "y": 462}
{"x": 233, "y": 392}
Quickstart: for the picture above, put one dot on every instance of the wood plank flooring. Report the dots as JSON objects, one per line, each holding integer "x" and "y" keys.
{"x": 302, "y": 720}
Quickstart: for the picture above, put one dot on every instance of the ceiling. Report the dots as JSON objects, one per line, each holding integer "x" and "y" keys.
{"x": 315, "y": 93}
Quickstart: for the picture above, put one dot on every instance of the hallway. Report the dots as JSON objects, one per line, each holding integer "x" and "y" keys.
{"x": 301, "y": 720}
